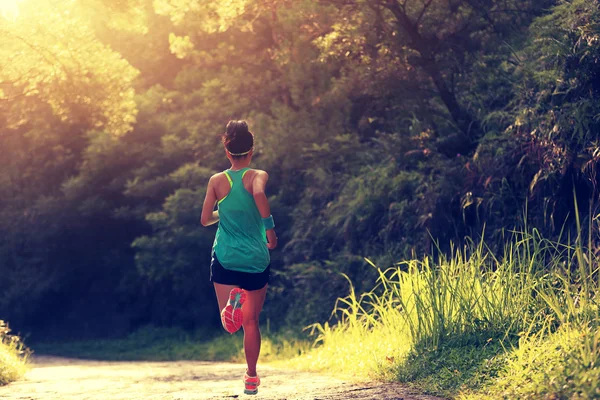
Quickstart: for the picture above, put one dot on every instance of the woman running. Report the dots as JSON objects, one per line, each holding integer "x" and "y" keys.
{"x": 240, "y": 266}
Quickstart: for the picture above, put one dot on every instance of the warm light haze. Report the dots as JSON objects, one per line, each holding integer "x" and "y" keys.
{"x": 433, "y": 177}
{"x": 9, "y": 8}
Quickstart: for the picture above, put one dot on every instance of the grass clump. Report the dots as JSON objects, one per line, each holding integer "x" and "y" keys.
{"x": 13, "y": 356}
{"x": 559, "y": 365}
{"x": 451, "y": 368}
{"x": 469, "y": 324}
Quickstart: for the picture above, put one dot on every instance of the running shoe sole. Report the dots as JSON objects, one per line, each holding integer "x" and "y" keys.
{"x": 251, "y": 391}
{"x": 232, "y": 316}
{"x": 251, "y": 384}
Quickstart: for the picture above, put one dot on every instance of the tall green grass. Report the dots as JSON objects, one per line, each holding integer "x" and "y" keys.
{"x": 466, "y": 324}
{"x": 13, "y": 356}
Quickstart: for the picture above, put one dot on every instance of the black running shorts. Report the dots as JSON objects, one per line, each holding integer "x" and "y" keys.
{"x": 245, "y": 280}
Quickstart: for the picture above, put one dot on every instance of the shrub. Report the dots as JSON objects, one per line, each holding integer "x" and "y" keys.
{"x": 13, "y": 355}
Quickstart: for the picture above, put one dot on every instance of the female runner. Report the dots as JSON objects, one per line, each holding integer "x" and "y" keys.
{"x": 240, "y": 266}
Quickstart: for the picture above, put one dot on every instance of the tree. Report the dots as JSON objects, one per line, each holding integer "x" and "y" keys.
{"x": 432, "y": 42}
{"x": 59, "y": 87}
{"x": 50, "y": 54}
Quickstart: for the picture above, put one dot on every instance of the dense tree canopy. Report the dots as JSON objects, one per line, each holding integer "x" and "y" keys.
{"x": 386, "y": 126}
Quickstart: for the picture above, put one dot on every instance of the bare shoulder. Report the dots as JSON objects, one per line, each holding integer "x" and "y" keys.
{"x": 257, "y": 179}
{"x": 217, "y": 179}
{"x": 218, "y": 176}
{"x": 260, "y": 173}
{"x": 252, "y": 174}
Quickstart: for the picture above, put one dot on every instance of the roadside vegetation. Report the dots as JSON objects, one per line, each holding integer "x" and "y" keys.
{"x": 522, "y": 324}
{"x": 168, "y": 344}
{"x": 13, "y": 356}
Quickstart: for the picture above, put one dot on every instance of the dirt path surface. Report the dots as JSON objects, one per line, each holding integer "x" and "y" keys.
{"x": 53, "y": 378}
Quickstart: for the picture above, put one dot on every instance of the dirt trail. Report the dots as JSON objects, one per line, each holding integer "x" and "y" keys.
{"x": 53, "y": 378}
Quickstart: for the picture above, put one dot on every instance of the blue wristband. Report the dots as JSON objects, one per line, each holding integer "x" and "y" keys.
{"x": 268, "y": 222}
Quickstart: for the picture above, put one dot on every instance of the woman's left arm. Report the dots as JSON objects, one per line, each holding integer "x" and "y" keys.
{"x": 209, "y": 215}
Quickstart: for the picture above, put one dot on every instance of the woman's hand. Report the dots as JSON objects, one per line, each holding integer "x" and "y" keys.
{"x": 271, "y": 239}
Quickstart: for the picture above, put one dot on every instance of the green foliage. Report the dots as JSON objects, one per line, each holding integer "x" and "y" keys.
{"x": 92, "y": 85}
{"x": 556, "y": 108}
{"x": 473, "y": 322}
{"x": 169, "y": 262}
{"x": 453, "y": 368}
{"x": 422, "y": 46}
{"x": 153, "y": 343}
{"x": 13, "y": 356}
{"x": 559, "y": 365}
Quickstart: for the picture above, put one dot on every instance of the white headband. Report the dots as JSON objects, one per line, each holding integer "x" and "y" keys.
{"x": 240, "y": 154}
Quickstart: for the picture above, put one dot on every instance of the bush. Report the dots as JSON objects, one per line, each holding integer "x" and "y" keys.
{"x": 13, "y": 356}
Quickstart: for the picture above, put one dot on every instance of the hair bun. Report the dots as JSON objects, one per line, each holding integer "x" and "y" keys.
{"x": 237, "y": 137}
{"x": 235, "y": 127}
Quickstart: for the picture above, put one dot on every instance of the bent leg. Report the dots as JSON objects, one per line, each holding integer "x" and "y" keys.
{"x": 222, "y": 292}
{"x": 230, "y": 299}
{"x": 252, "y": 308}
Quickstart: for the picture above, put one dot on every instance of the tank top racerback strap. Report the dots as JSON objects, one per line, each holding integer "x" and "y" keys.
{"x": 235, "y": 179}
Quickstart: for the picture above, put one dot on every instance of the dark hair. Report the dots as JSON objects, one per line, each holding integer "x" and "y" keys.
{"x": 238, "y": 139}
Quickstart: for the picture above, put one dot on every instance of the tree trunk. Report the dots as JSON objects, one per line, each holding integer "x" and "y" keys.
{"x": 424, "y": 46}
{"x": 463, "y": 119}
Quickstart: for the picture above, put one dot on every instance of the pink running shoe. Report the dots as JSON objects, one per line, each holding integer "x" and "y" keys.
{"x": 251, "y": 384}
{"x": 232, "y": 316}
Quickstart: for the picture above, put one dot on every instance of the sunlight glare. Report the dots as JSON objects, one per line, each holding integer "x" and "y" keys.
{"x": 9, "y": 8}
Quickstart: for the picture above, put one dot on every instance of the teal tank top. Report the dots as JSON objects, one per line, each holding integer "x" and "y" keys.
{"x": 241, "y": 240}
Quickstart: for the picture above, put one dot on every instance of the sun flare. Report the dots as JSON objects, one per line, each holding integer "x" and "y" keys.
{"x": 9, "y": 8}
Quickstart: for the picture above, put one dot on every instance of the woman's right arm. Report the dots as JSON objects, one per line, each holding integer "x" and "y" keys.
{"x": 262, "y": 203}
{"x": 209, "y": 215}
